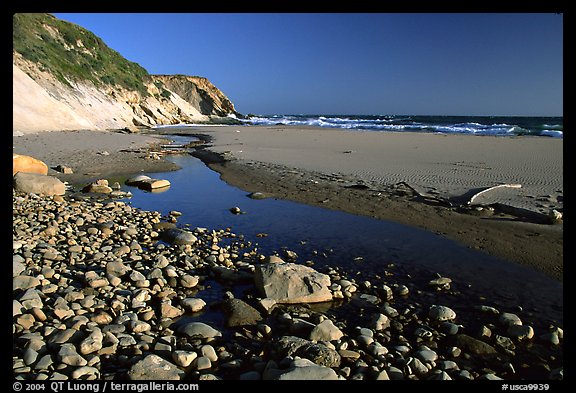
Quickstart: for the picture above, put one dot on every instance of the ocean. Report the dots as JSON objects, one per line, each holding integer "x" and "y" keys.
{"x": 474, "y": 125}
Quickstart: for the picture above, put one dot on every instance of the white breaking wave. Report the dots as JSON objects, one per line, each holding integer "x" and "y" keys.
{"x": 552, "y": 133}
{"x": 437, "y": 124}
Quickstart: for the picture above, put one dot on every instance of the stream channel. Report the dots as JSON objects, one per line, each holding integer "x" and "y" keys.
{"x": 361, "y": 246}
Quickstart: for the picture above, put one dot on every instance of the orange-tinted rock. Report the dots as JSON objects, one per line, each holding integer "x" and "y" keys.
{"x": 27, "y": 164}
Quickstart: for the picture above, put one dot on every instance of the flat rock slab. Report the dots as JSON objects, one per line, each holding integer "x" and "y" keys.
{"x": 147, "y": 183}
{"x": 292, "y": 283}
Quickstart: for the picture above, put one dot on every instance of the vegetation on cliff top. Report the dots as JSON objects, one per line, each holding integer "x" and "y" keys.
{"x": 71, "y": 52}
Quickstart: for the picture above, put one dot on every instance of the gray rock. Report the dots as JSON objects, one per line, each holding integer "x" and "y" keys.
{"x": 68, "y": 355}
{"x": 38, "y": 184}
{"x": 550, "y": 338}
{"x": 426, "y": 355}
{"x": 508, "y": 319}
{"x": 184, "y": 358}
{"x": 267, "y": 305}
{"x": 193, "y": 304}
{"x": 257, "y": 195}
{"x": 30, "y": 299}
{"x": 520, "y": 332}
{"x": 29, "y": 356}
{"x": 179, "y": 236}
{"x": 209, "y": 352}
{"x": 24, "y": 282}
{"x": 326, "y": 331}
{"x": 188, "y": 281}
{"x": 92, "y": 343}
{"x": 153, "y": 367}
{"x": 292, "y": 283}
{"x": 134, "y": 181}
{"x": 17, "y": 308}
{"x": 203, "y": 363}
{"x": 117, "y": 268}
{"x": 320, "y": 354}
{"x": 449, "y": 328}
{"x": 416, "y": 366}
{"x": 288, "y": 345}
{"x": 474, "y": 346}
{"x": 17, "y": 265}
{"x": 304, "y": 369}
{"x": 440, "y": 375}
{"x": 44, "y": 362}
{"x": 441, "y": 313}
{"x": 199, "y": 329}
{"x": 87, "y": 372}
{"x": 240, "y": 313}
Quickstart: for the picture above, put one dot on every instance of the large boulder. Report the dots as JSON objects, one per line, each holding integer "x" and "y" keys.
{"x": 38, "y": 184}
{"x": 292, "y": 283}
{"x": 21, "y": 163}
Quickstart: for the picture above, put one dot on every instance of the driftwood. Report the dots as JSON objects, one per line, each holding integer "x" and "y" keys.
{"x": 490, "y": 189}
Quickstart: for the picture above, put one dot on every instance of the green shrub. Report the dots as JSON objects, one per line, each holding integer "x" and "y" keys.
{"x": 93, "y": 61}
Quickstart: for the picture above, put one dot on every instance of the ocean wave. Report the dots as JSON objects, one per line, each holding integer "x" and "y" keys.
{"x": 436, "y": 124}
{"x": 553, "y": 126}
{"x": 552, "y": 133}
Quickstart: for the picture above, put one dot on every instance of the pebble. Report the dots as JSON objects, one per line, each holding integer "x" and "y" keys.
{"x": 508, "y": 319}
{"x": 183, "y": 358}
{"x": 98, "y": 287}
{"x": 326, "y": 331}
{"x": 203, "y": 363}
{"x": 193, "y": 304}
{"x": 441, "y": 313}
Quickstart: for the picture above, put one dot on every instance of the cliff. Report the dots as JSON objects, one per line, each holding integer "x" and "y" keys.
{"x": 199, "y": 92}
{"x": 64, "y": 77}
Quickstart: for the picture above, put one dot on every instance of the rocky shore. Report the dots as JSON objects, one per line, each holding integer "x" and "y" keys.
{"x": 102, "y": 290}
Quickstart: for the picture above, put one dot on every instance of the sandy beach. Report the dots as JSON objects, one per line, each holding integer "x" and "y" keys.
{"x": 365, "y": 173}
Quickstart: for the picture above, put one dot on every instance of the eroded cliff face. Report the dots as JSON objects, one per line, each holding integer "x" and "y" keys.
{"x": 199, "y": 92}
{"x": 43, "y": 103}
{"x": 97, "y": 94}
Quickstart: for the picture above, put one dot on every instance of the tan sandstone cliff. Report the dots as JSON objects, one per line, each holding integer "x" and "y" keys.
{"x": 42, "y": 103}
{"x": 45, "y": 98}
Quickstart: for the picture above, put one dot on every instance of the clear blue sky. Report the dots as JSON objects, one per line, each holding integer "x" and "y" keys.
{"x": 436, "y": 64}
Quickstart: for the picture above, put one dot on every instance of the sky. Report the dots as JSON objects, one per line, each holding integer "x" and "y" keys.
{"x": 486, "y": 64}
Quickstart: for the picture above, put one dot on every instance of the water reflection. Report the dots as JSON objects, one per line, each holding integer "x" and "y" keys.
{"x": 329, "y": 237}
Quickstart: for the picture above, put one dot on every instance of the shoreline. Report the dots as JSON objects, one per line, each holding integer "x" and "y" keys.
{"x": 93, "y": 155}
{"x": 536, "y": 246}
